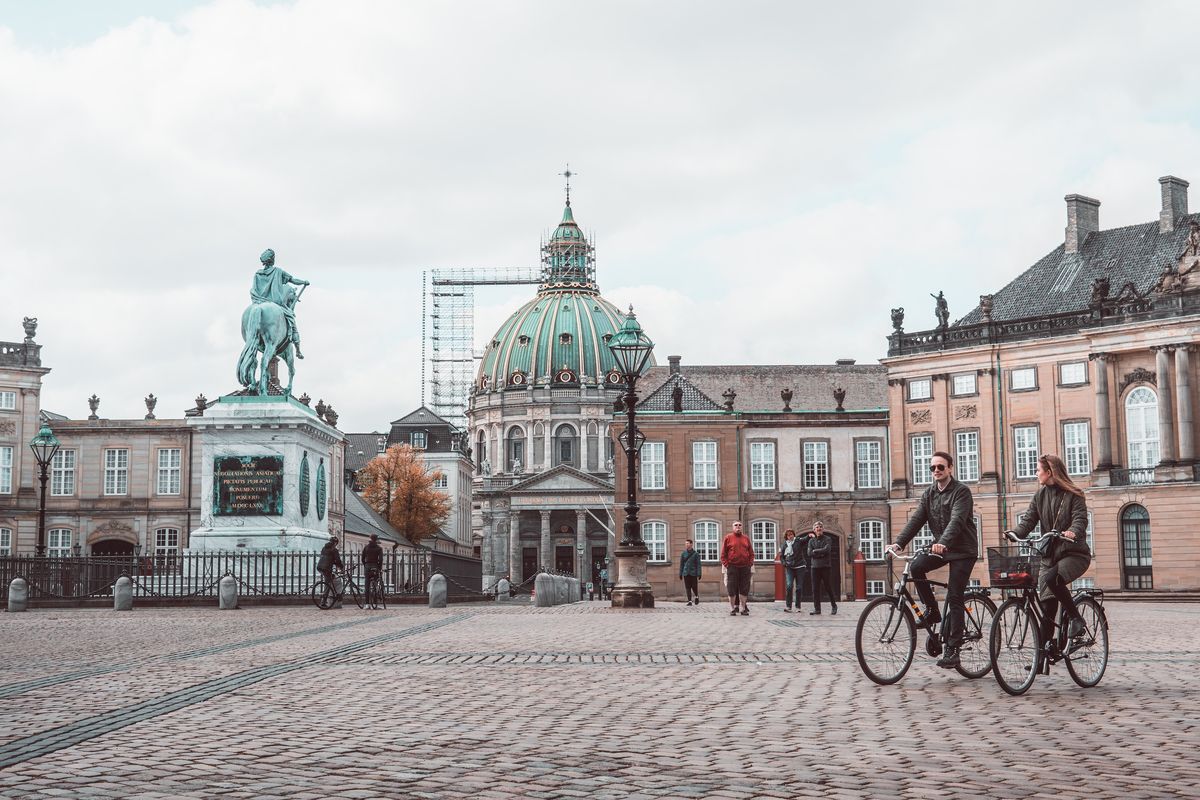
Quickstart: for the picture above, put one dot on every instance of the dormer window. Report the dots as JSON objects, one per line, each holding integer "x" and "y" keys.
{"x": 564, "y": 338}
{"x": 418, "y": 440}
{"x": 607, "y": 338}
{"x": 523, "y": 340}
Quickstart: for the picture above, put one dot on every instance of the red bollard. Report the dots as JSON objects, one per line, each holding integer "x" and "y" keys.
{"x": 860, "y": 576}
{"x": 779, "y": 585}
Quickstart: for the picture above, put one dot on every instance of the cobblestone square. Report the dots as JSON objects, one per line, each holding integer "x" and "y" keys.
{"x": 572, "y": 701}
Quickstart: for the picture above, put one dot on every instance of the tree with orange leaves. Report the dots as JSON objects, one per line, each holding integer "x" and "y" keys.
{"x": 396, "y": 485}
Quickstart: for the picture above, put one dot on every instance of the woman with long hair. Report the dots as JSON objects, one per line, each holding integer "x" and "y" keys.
{"x": 1058, "y": 505}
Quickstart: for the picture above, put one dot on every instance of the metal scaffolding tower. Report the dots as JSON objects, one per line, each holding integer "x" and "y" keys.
{"x": 448, "y": 332}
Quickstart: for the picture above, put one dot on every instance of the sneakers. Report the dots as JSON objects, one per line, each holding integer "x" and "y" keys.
{"x": 929, "y": 621}
{"x": 949, "y": 659}
{"x": 834, "y": 611}
{"x": 1076, "y": 629}
{"x": 787, "y": 609}
{"x": 689, "y": 602}
{"x": 814, "y": 613}
{"x": 745, "y": 611}
{"x": 733, "y": 613}
{"x": 696, "y": 601}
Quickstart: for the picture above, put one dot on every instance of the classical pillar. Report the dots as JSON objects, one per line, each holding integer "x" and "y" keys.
{"x": 1103, "y": 424}
{"x": 514, "y": 546}
{"x": 485, "y": 550}
{"x": 581, "y": 549}
{"x": 1166, "y": 416}
{"x": 547, "y": 560}
{"x": 1183, "y": 403}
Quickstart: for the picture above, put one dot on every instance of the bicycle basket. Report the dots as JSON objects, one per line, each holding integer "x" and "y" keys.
{"x": 1010, "y": 568}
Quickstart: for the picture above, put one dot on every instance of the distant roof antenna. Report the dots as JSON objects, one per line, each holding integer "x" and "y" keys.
{"x": 567, "y": 174}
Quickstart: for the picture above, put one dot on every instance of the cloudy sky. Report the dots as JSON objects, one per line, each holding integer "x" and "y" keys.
{"x": 765, "y": 180}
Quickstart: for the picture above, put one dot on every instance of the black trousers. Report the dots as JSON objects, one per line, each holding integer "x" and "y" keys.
{"x": 822, "y": 575}
{"x": 691, "y": 584}
{"x": 960, "y": 576}
{"x": 1054, "y": 590}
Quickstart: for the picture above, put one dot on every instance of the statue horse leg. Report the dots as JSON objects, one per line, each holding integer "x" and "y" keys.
{"x": 288, "y": 358}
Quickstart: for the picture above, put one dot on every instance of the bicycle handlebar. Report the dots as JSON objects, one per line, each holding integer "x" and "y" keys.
{"x": 1033, "y": 538}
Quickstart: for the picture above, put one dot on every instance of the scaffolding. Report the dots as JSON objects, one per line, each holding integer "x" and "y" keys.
{"x": 448, "y": 332}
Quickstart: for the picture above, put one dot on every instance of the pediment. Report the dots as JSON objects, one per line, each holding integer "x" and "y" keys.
{"x": 562, "y": 479}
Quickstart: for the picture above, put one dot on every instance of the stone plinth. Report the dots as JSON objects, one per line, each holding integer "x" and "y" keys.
{"x": 632, "y": 589}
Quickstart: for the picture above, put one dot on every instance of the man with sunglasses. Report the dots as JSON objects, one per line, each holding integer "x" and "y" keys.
{"x": 947, "y": 507}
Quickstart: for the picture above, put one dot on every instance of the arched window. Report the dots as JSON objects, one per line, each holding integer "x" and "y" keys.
{"x": 654, "y": 534}
{"x": 763, "y": 538}
{"x": 1141, "y": 427}
{"x": 1135, "y": 547}
{"x": 480, "y": 450}
{"x": 707, "y": 538}
{"x": 870, "y": 539}
{"x": 516, "y": 449}
{"x": 566, "y": 446}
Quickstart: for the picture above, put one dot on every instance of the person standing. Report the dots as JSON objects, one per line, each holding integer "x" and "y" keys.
{"x": 328, "y": 560}
{"x": 737, "y": 563}
{"x": 947, "y": 507}
{"x": 689, "y": 570}
{"x": 372, "y": 559}
{"x": 820, "y": 559}
{"x": 793, "y": 556}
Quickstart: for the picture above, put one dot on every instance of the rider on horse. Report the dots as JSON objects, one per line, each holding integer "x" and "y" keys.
{"x": 271, "y": 286}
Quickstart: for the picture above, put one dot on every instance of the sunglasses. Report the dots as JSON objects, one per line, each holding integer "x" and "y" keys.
{"x": 937, "y": 467}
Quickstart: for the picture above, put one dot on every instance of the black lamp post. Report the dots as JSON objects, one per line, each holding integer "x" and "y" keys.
{"x": 44, "y": 446}
{"x": 631, "y": 348}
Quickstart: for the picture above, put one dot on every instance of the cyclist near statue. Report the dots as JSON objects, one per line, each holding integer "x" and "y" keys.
{"x": 947, "y": 508}
{"x": 330, "y": 558}
{"x": 1058, "y": 505}
{"x": 372, "y": 559}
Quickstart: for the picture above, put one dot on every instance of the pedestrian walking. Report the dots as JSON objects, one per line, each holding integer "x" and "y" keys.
{"x": 689, "y": 570}
{"x": 793, "y": 555}
{"x": 820, "y": 558}
{"x": 737, "y": 564}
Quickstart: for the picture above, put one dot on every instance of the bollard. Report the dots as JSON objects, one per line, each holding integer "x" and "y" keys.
{"x": 503, "y": 591}
{"x": 123, "y": 594}
{"x": 543, "y": 587}
{"x": 437, "y": 591}
{"x": 18, "y": 595}
{"x": 227, "y": 593}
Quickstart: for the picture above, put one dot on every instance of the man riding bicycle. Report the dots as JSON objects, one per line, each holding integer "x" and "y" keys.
{"x": 372, "y": 559}
{"x": 947, "y": 507}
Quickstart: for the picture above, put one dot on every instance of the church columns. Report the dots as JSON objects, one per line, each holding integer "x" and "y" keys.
{"x": 1183, "y": 403}
{"x": 1103, "y": 424}
{"x": 547, "y": 548}
{"x": 581, "y": 548}
{"x": 1166, "y": 416}
{"x": 514, "y": 546}
{"x": 485, "y": 549}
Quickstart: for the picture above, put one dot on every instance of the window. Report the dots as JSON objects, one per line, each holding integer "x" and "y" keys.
{"x": 654, "y": 465}
{"x": 8, "y": 401}
{"x": 168, "y": 470}
{"x": 816, "y": 465}
{"x": 966, "y": 456}
{"x": 116, "y": 471}
{"x": 1073, "y": 373}
{"x": 1135, "y": 547}
{"x": 166, "y": 548}
{"x": 922, "y": 457}
{"x": 1091, "y": 539}
{"x": 381, "y": 445}
{"x": 920, "y": 389}
{"x": 870, "y": 539}
{"x": 564, "y": 446}
{"x": 6, "y": 542}
{"x": 62, "y": 473}
{"x": 6, "y": 467}
{"x": 440, "y": 481}
{"x": 654, "y": 534}
{"x": 1025, "y": 441}
{"x": 762, "y": 465}
{"x": 973, "y": 582}
{"x": 480, "y": 450}
{"x": 924, "y": 537}
{"x": 1083, "y": 583}
{"x": 764, "y": 540}
{"x": 964, "y": 384}
{"x": 707, "y": 537}
{"x": 1022, "y": 378}
{"x": 1075, "y": 445}
{"x": 704, "y": 465}
{"x": 418, "y": 440}
{"x": 868, "y": 457}
{"x": 58, "y": 542}
{"x": 875, "y": 588}
{"x": 1141, "y": 428}
{"x": 516, "y": 448}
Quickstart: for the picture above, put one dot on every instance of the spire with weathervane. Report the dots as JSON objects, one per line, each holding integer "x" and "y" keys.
{"x": 568, "y": 260}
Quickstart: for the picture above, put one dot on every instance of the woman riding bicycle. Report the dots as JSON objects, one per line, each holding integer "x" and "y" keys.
{"x": 1058, "y": 505}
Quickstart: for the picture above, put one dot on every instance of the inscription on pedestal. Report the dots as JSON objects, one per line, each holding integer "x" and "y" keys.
{"x": 247, "y": 486}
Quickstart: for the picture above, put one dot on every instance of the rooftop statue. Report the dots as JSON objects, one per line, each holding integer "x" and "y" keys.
{"x": 269, "y": 324}
{"x": 941, "y": 310}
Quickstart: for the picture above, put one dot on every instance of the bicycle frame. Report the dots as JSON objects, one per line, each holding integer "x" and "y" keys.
{"x": 904, "y": 595}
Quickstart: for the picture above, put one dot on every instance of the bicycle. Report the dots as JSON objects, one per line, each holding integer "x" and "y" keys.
{"x": 375, "y": 594}
{"x": 326, "y": 597}
{"x": 1016, "y": 650}
{"x": 886, "y": 637}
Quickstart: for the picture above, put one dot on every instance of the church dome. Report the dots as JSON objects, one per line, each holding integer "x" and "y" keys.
{"x": 560, "y": 337}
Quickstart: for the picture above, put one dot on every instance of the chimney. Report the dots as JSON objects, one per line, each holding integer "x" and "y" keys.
{"x": 1174, "y": 202}
{"x": 845, "y": 362}
{"x": 1083, "y": 217}
{"x": 674, "y": 362}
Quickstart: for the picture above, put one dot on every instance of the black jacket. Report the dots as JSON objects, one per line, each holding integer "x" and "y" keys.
{"x": 330, "y": 557}
{"x": 950, "y": 518}
{"x": 799, "y": 556}
{"x": 689, "y": 563}
{"x": 1057, "y": 510}
{"x": 372, "y": 555}
{"x": 820, "y": 551}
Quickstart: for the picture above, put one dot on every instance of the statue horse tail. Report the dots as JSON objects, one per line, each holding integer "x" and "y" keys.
{"x": 251, "y": 332}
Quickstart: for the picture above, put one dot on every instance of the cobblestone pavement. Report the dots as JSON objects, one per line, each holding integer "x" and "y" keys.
{"x": 575, "y": 701}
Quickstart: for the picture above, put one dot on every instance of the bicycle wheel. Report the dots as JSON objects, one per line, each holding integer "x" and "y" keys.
{"x": 322, "y": 597}
{"x": 352, "y": 588}
{"x": 1087, "y": 663}
{"x": 375, "y": 595}
{"x": 1014, "y": 649}
{"x": 885, "y": 640}
{"x": 975, "y": 659}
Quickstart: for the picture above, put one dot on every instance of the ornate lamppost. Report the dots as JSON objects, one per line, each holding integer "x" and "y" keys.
{"x": 44, "y": 446}
{"x": 631, "y": 348}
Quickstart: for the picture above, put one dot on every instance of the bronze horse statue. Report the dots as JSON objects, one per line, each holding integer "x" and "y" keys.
{"x": 265, "y": 330}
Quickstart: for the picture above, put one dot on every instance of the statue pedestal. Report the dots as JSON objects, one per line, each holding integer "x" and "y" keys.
{"x": 632, "y": 589}
{"x": 269, "y": 467}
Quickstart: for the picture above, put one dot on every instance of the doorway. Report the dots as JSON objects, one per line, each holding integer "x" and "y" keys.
{"x": 529, "y": 563}
{"x": 599, "y": 562}
{"x": 112, "y": 548}
{"x": 564, "y": 559}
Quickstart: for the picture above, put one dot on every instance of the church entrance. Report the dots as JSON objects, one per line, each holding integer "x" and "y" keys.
{"x": 529, "y": 563}
{"x": 564, "y": 559}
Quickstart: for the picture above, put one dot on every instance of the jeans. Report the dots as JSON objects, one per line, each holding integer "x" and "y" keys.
{"x": 960, "y": 575}
{"x": 794, "y": 578}
{"x": 823, "y": 575}
{"x": 691, "y": 584}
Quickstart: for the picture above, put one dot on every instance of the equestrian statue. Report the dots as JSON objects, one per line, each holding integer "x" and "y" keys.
{"x": 269, "y": 325}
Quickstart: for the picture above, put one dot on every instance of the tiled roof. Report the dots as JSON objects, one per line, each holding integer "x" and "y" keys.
{"x": 366, "y": 443}
{"x": 363, "y": 520}
{"x": 758, "y": 387}
{"x": 421, "y": 416}
{"x": 1061, "y": 282}
{"x": 693, "y": 399}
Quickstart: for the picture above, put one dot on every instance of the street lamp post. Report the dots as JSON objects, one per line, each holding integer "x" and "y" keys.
{"x": 44, "y": 446}
{"x": 631, "y": 348}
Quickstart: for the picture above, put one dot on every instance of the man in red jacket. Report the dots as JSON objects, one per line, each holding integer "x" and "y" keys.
{"x": 737, "y": 563}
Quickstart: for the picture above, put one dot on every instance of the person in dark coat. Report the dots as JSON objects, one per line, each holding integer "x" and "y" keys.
{"x": 689, "y": 570}
{"x": 1058, "y": 505}
{"x": 947, "y": 506}
{"x": 820, "y": 560}
{"x": 330, "y": 558}
{"x": 372, "y": 559}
